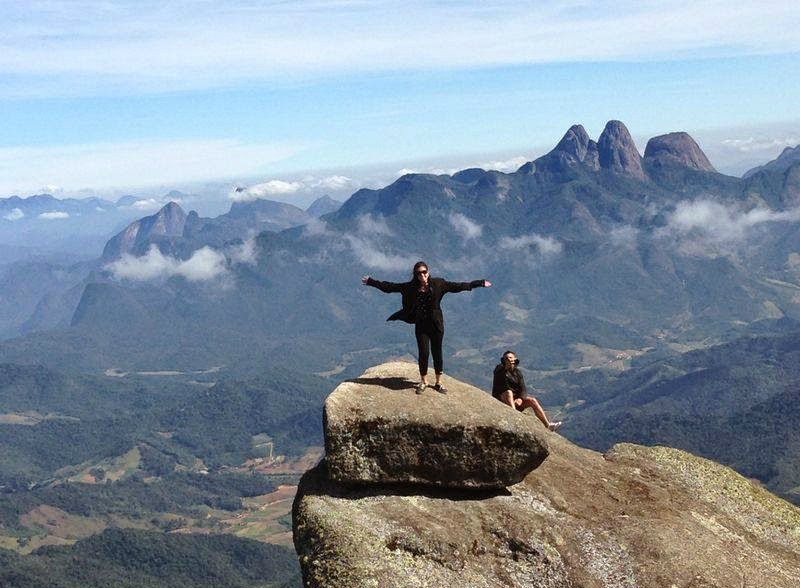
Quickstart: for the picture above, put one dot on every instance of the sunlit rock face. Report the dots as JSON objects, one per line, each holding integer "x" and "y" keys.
{"x": 636, "y": 516}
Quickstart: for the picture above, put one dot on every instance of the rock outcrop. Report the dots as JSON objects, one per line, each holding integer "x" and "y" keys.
{"x": 617, "y": 152}
{"x": 677, "y": 148}
{"x": 574, "y": 148}
{"x": 378, "y": 431}
{"x": 137, "y": 237}
{"x": 636, "y": 517}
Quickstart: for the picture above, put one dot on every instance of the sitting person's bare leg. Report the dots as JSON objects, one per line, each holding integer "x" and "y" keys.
{"x": 537, "y": 408}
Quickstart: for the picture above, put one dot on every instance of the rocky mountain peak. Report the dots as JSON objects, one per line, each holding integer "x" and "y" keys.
{"x": 678, "y": 148}
{"x": 323, "y": 205}
{"x": 617, "y": 152}
{"x": 575, "y": 147}
{"x": 788, "y": 157}
{"x": 637, "y": 516}
{"x": 574, "y": 142}
{"x": 136, "y": 238}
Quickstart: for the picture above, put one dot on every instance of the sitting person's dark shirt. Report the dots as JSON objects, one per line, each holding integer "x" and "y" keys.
{"x": 508, "y": 380}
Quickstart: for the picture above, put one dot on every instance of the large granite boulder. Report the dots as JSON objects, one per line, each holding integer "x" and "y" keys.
{"x": 379, "y": 431}
{"x": 636, "y": 517}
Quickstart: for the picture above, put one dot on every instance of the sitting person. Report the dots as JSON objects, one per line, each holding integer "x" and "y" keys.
{"x": 509, "y": 387}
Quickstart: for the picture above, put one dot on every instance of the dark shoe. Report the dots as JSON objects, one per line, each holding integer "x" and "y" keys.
{"x": 421, "y": 387}
{"x": 440, "y": 389}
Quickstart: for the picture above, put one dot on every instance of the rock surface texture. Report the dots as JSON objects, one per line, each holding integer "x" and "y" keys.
{"x": 677, "y": 148}
{"x": 617, "y": 151}
{"x": 377, "y": 430}
{"x": 636, "y": 517}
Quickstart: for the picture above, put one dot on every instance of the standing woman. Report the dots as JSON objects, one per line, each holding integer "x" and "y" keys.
{"x": 422, "y": 297}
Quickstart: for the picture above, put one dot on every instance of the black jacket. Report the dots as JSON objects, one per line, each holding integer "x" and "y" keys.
{"x": 439, "y": 288}
{"x": 508, "y": 380}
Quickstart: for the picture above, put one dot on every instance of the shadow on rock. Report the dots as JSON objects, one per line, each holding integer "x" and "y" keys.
{"x": 393, "y": 383}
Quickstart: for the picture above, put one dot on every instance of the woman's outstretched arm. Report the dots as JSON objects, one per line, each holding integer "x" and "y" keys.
{"x": 382, "y": 286}
{"x": 462, "y": 286}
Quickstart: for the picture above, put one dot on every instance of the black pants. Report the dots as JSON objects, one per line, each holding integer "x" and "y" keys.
{"x": 429, "y": 340}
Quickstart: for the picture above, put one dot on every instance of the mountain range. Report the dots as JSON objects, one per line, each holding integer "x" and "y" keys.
{"x": 591, "y": 247}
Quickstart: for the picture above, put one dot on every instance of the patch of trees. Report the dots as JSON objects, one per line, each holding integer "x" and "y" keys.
{"x": 127, "y": 558}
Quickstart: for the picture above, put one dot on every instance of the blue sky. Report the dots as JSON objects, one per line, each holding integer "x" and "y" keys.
{"x": 114, "y": 95}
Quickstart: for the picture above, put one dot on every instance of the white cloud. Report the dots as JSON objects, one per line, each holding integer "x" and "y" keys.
{"x": 246, "y": 253}
{"x": 464, "y": 226}
{"x": 114, "y": 165}
{"x": 14, "y": 215}
{"x": 160, "y": 46}
{"x": 715, "y": 221}
{"x": 369, "y": 225}
{"x": 758, "y": 144}
{"x": 204, "y": 264}
{"x": 54, "y": 215}
{"x": 277, "y": 187}
{"x": 547, "y": 246}
{"x": 334, "y": 183}
{"x": 146, "y": 204}
{"x": 370, "y": 254}
{"x": 623, "y": 236}
{"x": 316, "y": 228}
{"x": 265, "y": 190}
{"x": 50, "y": 189}
{"x": 508, "y": 165}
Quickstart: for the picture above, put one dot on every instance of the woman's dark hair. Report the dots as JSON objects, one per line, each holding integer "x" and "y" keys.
{"x": 418, "y": 265}
{"x": 505, "y": 354}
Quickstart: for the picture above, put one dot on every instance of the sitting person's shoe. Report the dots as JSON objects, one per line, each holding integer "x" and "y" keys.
{"x": 440, "y": 389}
{"x": 555, "y": 426}
{"x": 421, "y": 387}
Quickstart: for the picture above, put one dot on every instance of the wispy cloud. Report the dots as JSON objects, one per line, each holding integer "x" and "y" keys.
{"x": 15, "y": 215}
{"x": 204, "y": 264}
{"x": 368, "y": 225}
{"x": 54, "y": 215}
{"x": 760, "y": 144}
{"x": 375, "y": 257}
{"x": 547, "y": 246}
{"x": 278, "y": 187}
{"x": 506, "y": 165}
{"x": 714, "y": 221}
{"x": 464, "y": 226}
{"x": 246, "y": 253}
{"x": 103, "y": 165}
{"x": 181, "y": 45}
{"x": 265, "y": 190}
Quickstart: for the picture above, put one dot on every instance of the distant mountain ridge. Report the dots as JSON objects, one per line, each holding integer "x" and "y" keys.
{"x": 177, "y": 233}
{"x": 788, "y": 157}
{"x": 600, "y": 260}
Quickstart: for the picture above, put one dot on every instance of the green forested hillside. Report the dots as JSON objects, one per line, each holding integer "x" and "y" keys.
{"x": 128, "y": 558}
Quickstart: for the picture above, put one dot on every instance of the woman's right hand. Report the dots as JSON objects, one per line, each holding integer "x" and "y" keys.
{"x": 365, "y": 280}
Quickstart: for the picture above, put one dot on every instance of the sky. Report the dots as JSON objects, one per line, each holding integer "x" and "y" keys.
{"x": 305, "y": 97}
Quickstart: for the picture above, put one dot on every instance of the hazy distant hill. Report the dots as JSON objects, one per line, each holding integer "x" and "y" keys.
{"x": 322, "y": 206}
{"x": 788, "y": 157}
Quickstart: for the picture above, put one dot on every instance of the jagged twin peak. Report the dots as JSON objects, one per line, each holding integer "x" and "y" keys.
{"x": 616, "y": 151}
